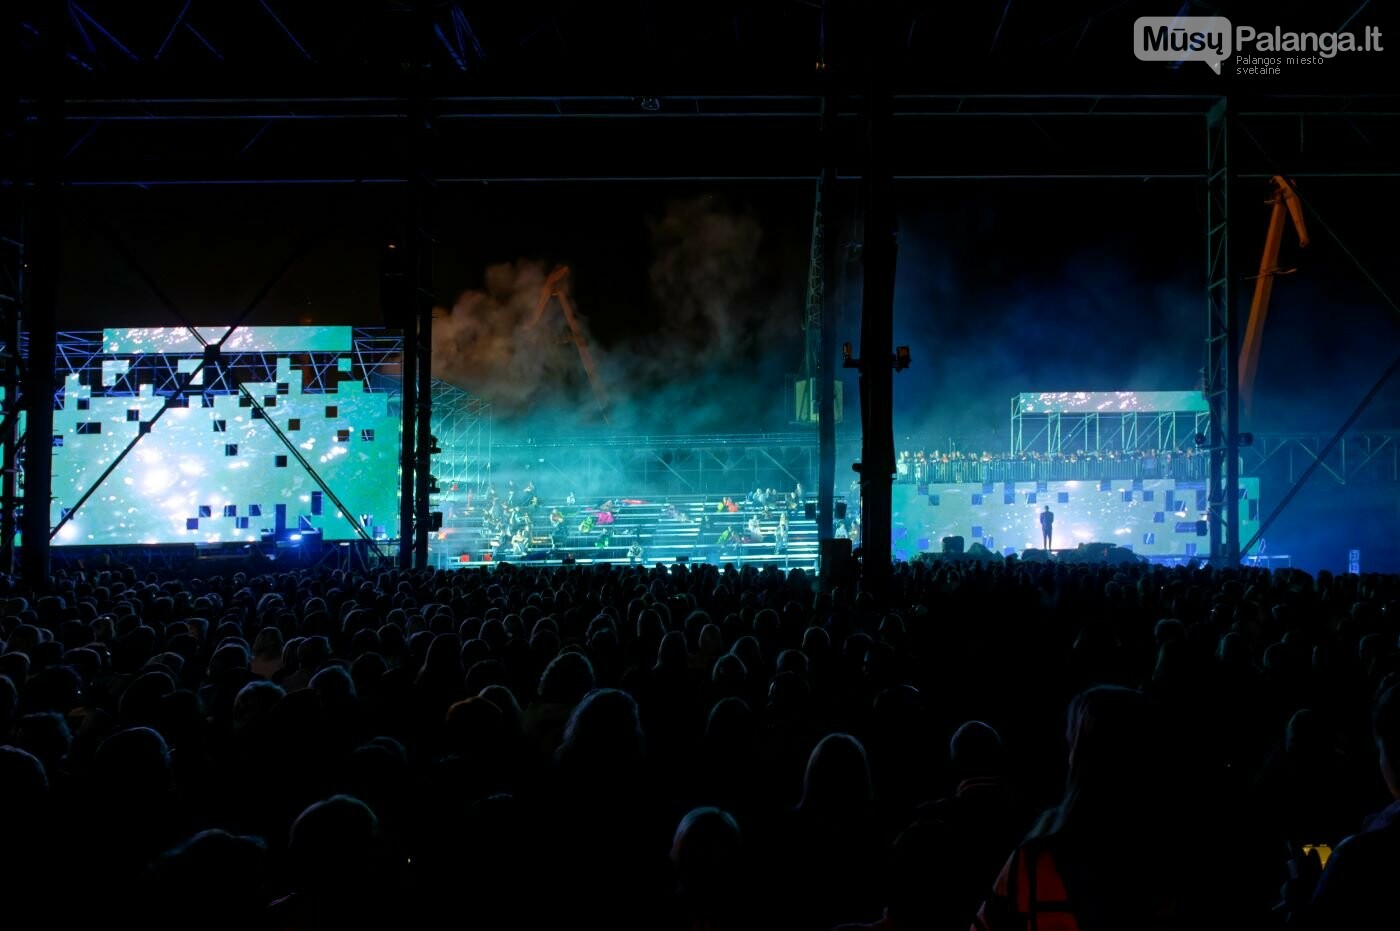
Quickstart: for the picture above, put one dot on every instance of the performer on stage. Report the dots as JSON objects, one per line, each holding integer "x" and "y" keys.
{"x": 1047, "y": 525}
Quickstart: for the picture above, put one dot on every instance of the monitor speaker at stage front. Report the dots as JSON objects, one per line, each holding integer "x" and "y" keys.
{"x": 837, "y": 566}
{"x": 806, "y": 395}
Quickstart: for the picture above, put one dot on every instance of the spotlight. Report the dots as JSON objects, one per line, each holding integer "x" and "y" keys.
{"x": 433, "y": 447}
{"x": 1201, "y": 439}
{"x": 650, "y": 104}
{"x": 901, "y": 358}
{"x": 1246, "y": 439}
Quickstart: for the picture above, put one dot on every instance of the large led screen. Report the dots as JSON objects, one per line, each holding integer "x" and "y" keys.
{"x": 1151, "y": 517}
{"x": 1112, "y": 402}
{"x": 205, "y": 464}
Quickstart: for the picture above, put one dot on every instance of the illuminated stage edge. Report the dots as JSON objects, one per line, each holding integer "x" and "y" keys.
{"x": 1155, "y": 518}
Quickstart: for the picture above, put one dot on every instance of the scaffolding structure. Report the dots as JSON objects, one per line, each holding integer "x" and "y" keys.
{"x": 1360, "y": 457}
{"x": 718, "y": 464}
{"x": 462, "y": 429}
{"x": 1036, "y": 428}
{"x": 374, "y": 356}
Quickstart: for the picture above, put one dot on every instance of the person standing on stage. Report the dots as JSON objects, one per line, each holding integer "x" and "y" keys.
{"x": 1047, "y": 525}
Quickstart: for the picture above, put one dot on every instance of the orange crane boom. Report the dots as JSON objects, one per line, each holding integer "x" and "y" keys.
{"x": 555, "y": 288}
{"x": 1285, "y": 204}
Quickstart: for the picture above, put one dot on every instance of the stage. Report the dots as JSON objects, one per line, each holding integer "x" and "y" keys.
{"x": 1155, "y": 518}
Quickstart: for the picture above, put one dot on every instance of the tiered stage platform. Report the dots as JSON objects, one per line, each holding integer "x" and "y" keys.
{"x": 693, "y": 536}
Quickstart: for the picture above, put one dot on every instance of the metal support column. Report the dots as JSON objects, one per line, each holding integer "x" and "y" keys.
{"x": 822, "y": 254}
{"x": 421, "y": 270}
{"x": 422, "y": 281}
{"x": 10, "y": 308}
{"x": 403, "y": 310}
{"x": 43, "y": 233}
{"x": 877, "y": 322}
{"x": 1220, "y": 384}
{"x": 12, "y": 282}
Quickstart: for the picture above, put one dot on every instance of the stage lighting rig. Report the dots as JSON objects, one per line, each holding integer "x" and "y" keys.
{"x": 899, "y": 361}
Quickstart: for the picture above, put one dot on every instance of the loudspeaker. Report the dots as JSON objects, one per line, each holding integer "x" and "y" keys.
{"x": 953, "y": 544}
{"x": 1092, "y": 553}
{"x": 809, "y": 511}
{"x": 836, "y": 564}
{"x": 805, "y": 394}
{"x": 840, "y": 510}
{"x": 682, "y": 559}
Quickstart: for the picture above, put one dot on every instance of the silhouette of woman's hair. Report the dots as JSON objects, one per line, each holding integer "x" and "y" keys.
{"x": 837, "y": 777}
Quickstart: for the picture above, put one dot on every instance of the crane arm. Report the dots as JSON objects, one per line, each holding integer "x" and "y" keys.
{"x": 1286, "y": 205}
{"x": 584, "y": 354}
{"x": 554, "y": 288}
{"x": 549, "y": 289}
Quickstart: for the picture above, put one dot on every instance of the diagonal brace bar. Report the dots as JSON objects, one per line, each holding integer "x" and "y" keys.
{"x": 1326, "y": 451}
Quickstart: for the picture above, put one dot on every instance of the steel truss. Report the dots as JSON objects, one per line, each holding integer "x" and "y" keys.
{"x": 1361, "y": 457}
{"x": 706, "y": 465}
{"x": 462, "y": 428}
{"x": 374, "y": 359}
{"x": 1220, "y": 385}
{"x": 1057, "y": 433}
{"x": 290, "y": 137}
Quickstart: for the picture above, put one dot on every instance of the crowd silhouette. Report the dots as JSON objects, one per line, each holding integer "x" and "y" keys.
{"x": 989, "y": 746}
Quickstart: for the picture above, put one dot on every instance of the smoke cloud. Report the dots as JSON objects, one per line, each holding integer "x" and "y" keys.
{"x": 699, "y": 355}
{"x": 704, "y": 270}
{"x": 1091, "y": 325}
{"x": 489, "y": 343}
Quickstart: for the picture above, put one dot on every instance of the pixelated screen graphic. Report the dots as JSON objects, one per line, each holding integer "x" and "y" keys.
{"x": 1112, "y": 402}
{"x": 211, "y": 468}
{"x": 1151, "y": 517}
{"x": 182, "y": 340}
